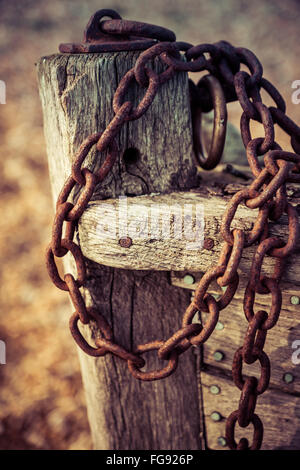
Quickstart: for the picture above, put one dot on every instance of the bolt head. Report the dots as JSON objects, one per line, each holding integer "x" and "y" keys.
{"x": 214, "y": 389}
{"x": 219, "y": 326}
{"x": 219, "y": 356}
{"x": 295, "y": 300}
{"x": 215, "y": 416}
{"x": 222, "y": 441}
{"x": 188, "y": 279}
{"x": 288, "y": 378}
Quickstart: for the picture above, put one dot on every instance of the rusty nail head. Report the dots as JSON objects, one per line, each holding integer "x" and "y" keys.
{"x": 208, "y": 244}
{"x": 125, "y": 242}
{"x": 288, "y": 378}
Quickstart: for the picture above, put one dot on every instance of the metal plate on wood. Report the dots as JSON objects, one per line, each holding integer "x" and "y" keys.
{"x": 279, "y": 411}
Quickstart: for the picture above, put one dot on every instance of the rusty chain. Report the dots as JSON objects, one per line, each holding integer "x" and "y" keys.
{"x": 267, "y": 193}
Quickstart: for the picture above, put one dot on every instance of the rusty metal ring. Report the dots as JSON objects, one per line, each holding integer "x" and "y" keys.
{"x": 255, "y": 337}
{"x": 234, "y": 259}
{"x": 107, "y": 137}
{"x": 267, "y": 121}
{"x": 92, "y": 31}
{"x": 229, "y": 55}
{"x": 211, "y": 322}
{"x": 266, "y": 195}
{"x": 181, "y": 338}
{"x": 247, "y": 402}
{"x": 237, "y": 366}
{"x": 153, "y": 85}
{"x": 240, "y": 85}
{"x": 52, "y": 268}
{"x": 65, "y": 191}
{"x": 229, "y": 214}
{"x": 197, "y": 51}
{"x": 84, "y": 149}
{"x": 77, "y": 298}
{"x": 285, "y": 122}
{"x": 257, "y": 435}
{"x": 85, "y": 196}
{"x": 271, "y": 157}
{"x": 252, "y": 152}
{"x": 199, "y": 63}
{"x": 103, "y": 326}
{"x": 118, "y": 350}
{"x": 293, "y": 234}
{"x": 117, "y": 35}
{"x": 278, "y": 205}
{"x": 248, "y": 58}
{"x": 274, "y": 93}
{"x": 122, "y": 27}
{"x": 211, "y": 275}
{"x": 150, "y": 54}
{"x": 220, "y": 122}
{"x": 155, "y": 374}
{"x": 60, "y": 217}
{"x": 263, "y": 248}
{"x": 276, "y": 301}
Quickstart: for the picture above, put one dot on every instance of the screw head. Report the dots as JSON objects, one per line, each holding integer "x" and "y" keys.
{"x": 295, "y": 300}
{"x": 125, "y": 242}
{"x": 222, "y": 441}
{"x": 219, "y": 356}
{"x": 219, "y": 326}
{"x": 214, "y": 389}
{"x": 188, "y": 279}
{"x": 288, "y": 378}
{"x": 215, "y": 416}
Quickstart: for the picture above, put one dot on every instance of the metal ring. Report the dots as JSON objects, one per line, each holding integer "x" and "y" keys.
{"x": 266, "y": 120}
{"x": 155, "y": 374}
{"x": 237, "y": 366}
{"x": 257, "y": 434}
{"x": 103, "y": 326}
{"x": 137, "y": 28}
{"x": 247, "y": 402}
{"x": 79, "y": 261}
{"x": 220, "y": 122}
{"x": 179, "y": 339}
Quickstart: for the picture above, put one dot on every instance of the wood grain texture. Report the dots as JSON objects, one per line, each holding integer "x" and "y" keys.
{"x": 76, "y": 93}
{"x": 279, "y": 412}
{"x": 167, "y": 231}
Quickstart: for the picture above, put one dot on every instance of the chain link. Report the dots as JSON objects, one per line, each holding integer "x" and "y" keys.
{"x": 267, "y": 193}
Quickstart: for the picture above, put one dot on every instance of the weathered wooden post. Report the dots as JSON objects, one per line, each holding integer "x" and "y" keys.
{"x": 155, "y": 155}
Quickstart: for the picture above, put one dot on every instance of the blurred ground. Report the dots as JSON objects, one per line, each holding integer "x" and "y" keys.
{"x": 41, "y": 398}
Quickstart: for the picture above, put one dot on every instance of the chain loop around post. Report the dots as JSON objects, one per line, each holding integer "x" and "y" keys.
{"x": 225, "y": 82}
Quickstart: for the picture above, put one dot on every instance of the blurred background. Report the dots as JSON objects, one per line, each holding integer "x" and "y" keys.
{"x": 41, "y": 398}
